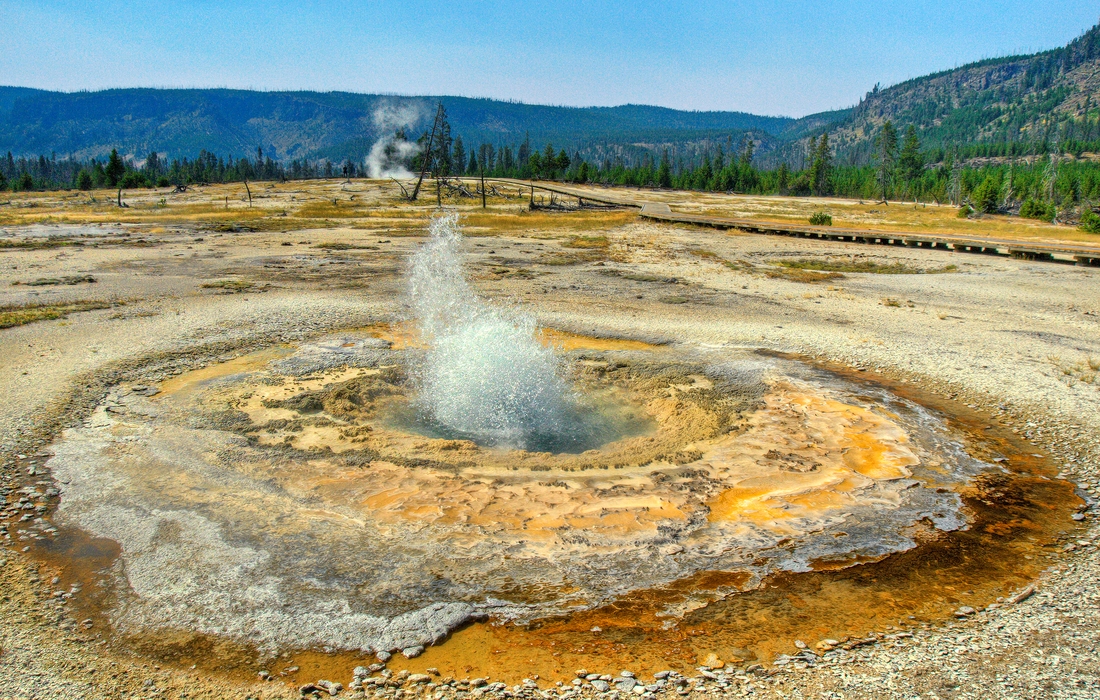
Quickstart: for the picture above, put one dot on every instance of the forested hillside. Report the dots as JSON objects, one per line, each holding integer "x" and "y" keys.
{"x": 1015, "y": 135}
{"x": 311, "y": 125}
{"x": 1017, "y": 105}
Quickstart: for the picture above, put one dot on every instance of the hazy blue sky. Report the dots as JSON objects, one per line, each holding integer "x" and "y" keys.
{"x": 789, "y": 58}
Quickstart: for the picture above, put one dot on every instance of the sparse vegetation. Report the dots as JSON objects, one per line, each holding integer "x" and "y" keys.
{"x": 587, "y": 242}
{"x": 897, "y": 303}
{"x": 11, "y": 316}
{"x": 820, "y": 218}
{"x": 345, "y": 246}
{"x": 809, "y": 276}
{"x": 68, "y": 280}
{"x": 230, "y": 286}
{"x": 1084, "y": 371}
{"x": 865, "y": 266}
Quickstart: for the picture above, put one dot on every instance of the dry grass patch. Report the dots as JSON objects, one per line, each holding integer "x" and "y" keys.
{"x": 11, "y": 316}
{"x": 587, "y": 242}
{"x": 230, "y": 286}
{"x": 807, "y": 276}
{"x": 1086, "y": 371}
{"x": 742, "y": 265}
{"x": 860, "y": 266}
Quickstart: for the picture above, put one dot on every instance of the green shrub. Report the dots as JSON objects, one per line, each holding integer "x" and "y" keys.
{"x": 1037, "y": 209}
{"x": 985, "y": 195}
{"x": 820, "y": 218}
{"x": 84, "y": 180}
{"x": 1090, "y": 221}
{"x": 164, "y": 181}
{"x": 965, "y": 211}
{"x": 132, "y": 180}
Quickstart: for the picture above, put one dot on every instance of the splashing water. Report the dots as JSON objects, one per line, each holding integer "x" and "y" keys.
{"x": 485, "y": 377}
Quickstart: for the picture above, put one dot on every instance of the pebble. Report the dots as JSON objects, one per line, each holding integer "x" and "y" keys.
{"x": 626, "y": 684}
{"x": 964, "y": 611}
{"x": 601, "y": 686}
{"x": 412, "y": 652}
{"x": 383, "y": 656}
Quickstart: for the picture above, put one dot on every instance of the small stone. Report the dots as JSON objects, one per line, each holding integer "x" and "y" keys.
{"x": 1022, "y": 595}
{"x": 419, "y": 678}
{"x": 383, "y": 656}
{"x": 661, "y": 674}
{"x": 800, "y": 644}
{"x": 965, "y": 611}
{"x": 627, "y": 674}
{"x": 580, "y": 673}
{"x": 361, "y": 672}
{"x": 264, "y": 675}
{"x": 1078, "y": 516}
{"x": 639, "y": 690}
{"x": 597, "y": 629}
{"x": 432, "y": 671}
{"x": 478, "y": 682}
{"x": 592, "y": 676}
{"x": 601, "y": 686}
{"x": 626, "y": 684}
{"x": 412, "y": 652}
{"x": 712, "y": 661}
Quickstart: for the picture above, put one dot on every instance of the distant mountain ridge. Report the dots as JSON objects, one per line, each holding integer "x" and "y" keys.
{"x": 1049, "y": 97}
{"x": 290, "y": 125}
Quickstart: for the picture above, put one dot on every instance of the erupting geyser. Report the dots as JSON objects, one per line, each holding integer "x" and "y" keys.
{"x": 364, "y": 494}
{"x": 485, "y": 377}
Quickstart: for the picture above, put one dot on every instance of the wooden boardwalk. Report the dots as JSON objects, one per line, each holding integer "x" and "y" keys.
{"x": 1048, "y": 251}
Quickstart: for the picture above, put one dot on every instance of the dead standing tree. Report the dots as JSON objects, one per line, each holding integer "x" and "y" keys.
{"x": 426, "y": 162}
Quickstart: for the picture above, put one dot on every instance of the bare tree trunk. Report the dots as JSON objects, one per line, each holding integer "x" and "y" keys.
{"x": 120, "y": 197}
{"x": 249, "y": 191}
{"x": 404, "y": 191}
{"x": 427, "y": 155}
{"x": 482, "y": 186}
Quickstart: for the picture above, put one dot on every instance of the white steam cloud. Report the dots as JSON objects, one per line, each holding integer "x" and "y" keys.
{"x": 389, "y": 154}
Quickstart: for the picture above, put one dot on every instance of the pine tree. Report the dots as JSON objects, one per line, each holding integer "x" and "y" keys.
{"x": 821, "y": 168}
{"x": 115, "y": 169}
{"x": 886, "y": 148}
{"x": 664, "y": 171}
{"x": 911, "y": 162}
{"x": 459, "y": 155}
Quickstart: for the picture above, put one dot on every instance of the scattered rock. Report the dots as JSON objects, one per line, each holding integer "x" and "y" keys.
{"x": 626, "y": 684}
{"x": 412, "y": 652}
{"x": 417, "y": 678}
{"x": 383, "y": 656}
{"x": 1022, "y": 595}
{"x": 601, "y": 686}
{"x": 965, "y": 611}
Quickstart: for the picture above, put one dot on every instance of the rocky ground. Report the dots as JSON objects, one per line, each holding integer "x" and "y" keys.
{"x": 1009, "y": 338}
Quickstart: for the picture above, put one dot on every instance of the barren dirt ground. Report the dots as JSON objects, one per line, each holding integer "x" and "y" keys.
{"x": 181, "y": 281}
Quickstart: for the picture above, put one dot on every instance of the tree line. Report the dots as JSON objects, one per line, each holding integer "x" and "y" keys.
{"x": 899, "y": 168}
